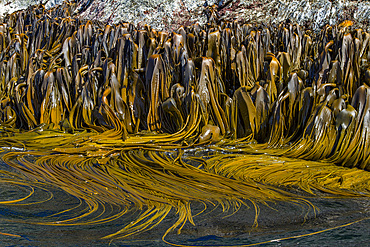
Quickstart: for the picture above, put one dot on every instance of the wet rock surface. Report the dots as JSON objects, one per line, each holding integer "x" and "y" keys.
{"x": 169, "y": 14}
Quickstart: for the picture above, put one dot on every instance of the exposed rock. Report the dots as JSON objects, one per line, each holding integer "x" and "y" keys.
{"x": 9, "y": 6}
{"x": 170, "y": 14}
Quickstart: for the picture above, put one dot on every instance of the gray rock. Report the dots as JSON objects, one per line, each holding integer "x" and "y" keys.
{"x": 170, "y": 14}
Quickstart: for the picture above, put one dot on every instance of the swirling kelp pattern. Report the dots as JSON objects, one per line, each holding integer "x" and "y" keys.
{"x": 224, "y": 114}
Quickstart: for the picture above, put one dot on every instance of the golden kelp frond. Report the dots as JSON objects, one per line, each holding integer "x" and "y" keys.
{"x": 280, "y": 171}
{"x": 158, "y": 181}
{"x": 226, "y": 114}
{"x": 123, "y": 82}
{"x": 346, "y": 23}
{"x": 15, "y": 182}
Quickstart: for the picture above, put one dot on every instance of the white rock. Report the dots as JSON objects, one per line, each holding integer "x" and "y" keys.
{"x": 169, "y": 14}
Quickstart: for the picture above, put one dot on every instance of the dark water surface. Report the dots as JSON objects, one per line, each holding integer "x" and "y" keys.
{"x": 212, "y": 228}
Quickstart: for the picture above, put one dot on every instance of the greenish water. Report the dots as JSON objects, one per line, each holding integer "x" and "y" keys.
{"x": 212, "y": 228}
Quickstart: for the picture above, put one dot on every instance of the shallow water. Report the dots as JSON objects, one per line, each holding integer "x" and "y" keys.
{"x": 212, "y": 228}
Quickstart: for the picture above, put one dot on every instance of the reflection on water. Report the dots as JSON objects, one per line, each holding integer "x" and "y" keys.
{"x": 27, "y": 205}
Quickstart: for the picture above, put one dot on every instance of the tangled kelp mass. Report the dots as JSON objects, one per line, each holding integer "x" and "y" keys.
{"x": 152, "y": 120}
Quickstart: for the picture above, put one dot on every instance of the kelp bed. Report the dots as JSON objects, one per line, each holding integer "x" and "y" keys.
{"x": 225, "y": 115}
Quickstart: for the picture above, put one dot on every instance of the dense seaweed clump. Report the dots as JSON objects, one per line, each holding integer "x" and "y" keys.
{"x": 227, "y": 113}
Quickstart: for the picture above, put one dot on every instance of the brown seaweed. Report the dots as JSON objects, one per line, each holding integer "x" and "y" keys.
{"x": 121, "y": 107}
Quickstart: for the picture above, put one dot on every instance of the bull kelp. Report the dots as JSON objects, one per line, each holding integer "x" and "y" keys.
{"x": 227, "y": 114}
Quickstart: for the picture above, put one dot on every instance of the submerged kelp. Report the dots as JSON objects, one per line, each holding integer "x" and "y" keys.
{"x": 120, "y": 115}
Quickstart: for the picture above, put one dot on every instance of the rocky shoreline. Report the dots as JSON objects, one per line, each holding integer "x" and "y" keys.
{"x": 169, "y": 15}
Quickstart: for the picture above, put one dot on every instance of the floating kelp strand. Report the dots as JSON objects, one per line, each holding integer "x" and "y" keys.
{"x": 319, "y": 175}
{"x": 35, "y": 139}
{"x": 85, "y": 214}
{"x": 28, "y": 192}
{"x": 162, "y": 190}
